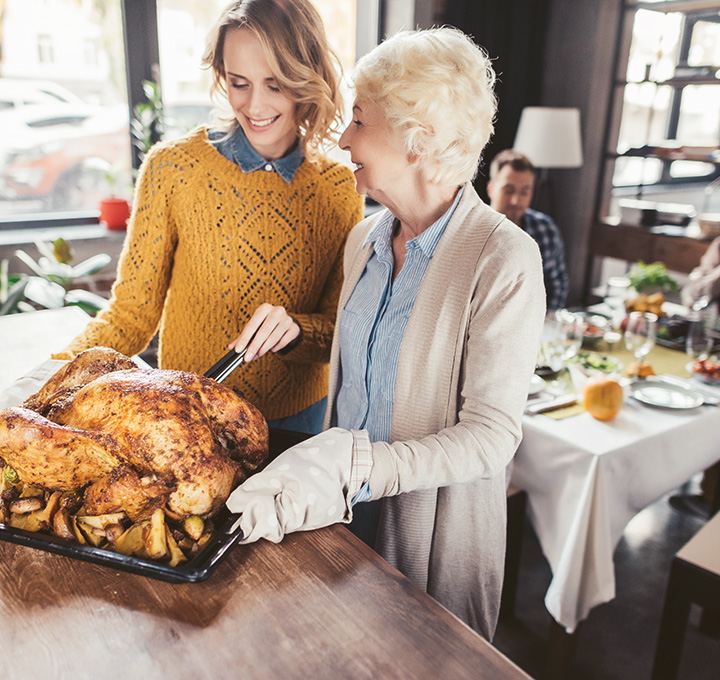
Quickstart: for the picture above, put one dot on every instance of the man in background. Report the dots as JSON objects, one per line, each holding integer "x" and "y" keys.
{"x": 510, "y": 189}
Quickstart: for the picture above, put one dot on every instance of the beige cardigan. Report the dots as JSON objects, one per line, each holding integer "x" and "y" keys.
{"x": 465, "y": 364}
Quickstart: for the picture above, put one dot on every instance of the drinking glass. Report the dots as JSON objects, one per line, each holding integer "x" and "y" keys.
{"x": 561, "y": 338}
{"x": 700, "y": 336}
{"x": 617, "y": 290}
{"x": 640, "y": 333}
{"x": 572, "y": 328}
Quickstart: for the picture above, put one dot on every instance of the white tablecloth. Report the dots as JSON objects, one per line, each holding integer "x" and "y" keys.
{"x": 586, "y": 479}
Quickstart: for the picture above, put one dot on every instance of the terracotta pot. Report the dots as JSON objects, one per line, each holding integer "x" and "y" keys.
{"x": 114, "y": 213}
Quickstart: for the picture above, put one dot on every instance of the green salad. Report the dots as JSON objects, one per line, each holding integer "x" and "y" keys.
{"x": 596, "y": 361}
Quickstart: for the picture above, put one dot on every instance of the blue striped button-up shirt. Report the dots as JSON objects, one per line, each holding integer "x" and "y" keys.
{"x": 373, "y": 323}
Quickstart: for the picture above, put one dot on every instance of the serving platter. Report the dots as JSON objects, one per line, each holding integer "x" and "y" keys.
{"x": 660, "y": 394}
{"x": 226, "y": 536}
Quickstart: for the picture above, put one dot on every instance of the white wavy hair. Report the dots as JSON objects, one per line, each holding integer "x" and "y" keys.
{"x": 435, "y": 88}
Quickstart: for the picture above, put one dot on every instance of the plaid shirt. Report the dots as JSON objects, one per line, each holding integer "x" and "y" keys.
{"x": 547, "y": 235}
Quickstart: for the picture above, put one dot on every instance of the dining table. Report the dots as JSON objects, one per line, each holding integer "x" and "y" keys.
{"x": 320, "y": 604}
{"x": 585, "y": 479}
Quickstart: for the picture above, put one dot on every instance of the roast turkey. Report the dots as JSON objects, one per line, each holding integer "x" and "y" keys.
{"x": 134, "y": 439}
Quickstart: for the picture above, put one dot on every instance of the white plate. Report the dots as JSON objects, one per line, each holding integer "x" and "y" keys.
{"x": 664, "y": 395}
{"x": 708, "y": 380}
{"x": 537, "y": 385}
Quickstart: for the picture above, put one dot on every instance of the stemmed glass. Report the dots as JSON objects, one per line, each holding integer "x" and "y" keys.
{"x": 572, "y": 328}
{"x": 561, "y": 339}
{"x": 640, "y": 333}
{"x": 698, "y": 343}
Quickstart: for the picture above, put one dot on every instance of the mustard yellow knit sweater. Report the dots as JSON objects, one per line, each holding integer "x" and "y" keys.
{"x": 207, "y": 244}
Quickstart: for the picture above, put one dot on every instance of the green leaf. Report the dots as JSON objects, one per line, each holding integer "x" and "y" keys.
{"x": 46, "y": 250}
{"x": 85, "y": 299}
{"x": 15, "y": 294}
{"x": 644, "y": 277}
{"x": 61, "y": 250}
{"x": 24, "y": 257}
{"x": 91, "y": 265}
{"x": 45, "y": 293}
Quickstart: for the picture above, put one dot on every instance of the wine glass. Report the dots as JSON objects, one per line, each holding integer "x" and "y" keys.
{"x": 616, "y": 292}
{"x": 640, "y": 333}
{"x": 561, "y": 339}
{"x": 700, "y": 339}
{"x": 572, "y": 329}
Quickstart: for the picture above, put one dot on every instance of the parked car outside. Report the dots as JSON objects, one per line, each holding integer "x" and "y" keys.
{"x": 15, "y": 94}
{"x": 61, "y": 154}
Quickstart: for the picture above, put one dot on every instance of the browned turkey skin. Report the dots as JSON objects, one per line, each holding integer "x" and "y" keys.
{"x": 139, "y": 438}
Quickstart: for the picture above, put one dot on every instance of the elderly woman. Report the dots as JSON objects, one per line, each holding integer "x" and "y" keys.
{"x": 438, "y": 326}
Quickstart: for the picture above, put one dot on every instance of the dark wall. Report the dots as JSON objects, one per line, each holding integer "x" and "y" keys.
{"x": 551, "y": 53}
{"x": 513, "y": 33}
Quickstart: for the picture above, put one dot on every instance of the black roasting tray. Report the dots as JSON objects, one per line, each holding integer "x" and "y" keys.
{"x": 192, "y": 571}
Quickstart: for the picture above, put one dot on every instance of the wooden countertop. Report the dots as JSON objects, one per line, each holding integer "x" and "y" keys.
{"x": 319, "y": 605}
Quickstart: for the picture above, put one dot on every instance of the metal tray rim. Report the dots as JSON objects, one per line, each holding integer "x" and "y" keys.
{"x": 192, "y": 571}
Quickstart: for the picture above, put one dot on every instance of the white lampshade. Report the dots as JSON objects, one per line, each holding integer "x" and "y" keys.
{"x": 550, "y": 137}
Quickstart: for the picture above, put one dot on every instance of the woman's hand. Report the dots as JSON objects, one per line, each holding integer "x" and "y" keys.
{"x": 273, "y": 329}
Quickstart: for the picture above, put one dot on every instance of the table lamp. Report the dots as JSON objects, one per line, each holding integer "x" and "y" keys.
{"x": 550, "y": 138}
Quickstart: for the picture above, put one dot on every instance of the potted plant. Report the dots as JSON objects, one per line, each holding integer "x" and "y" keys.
{"x": 652, "y": 278}
{"x": 53, "y": 281}
{"x": 148, "y": 122}
{"x": 114, "y": 210}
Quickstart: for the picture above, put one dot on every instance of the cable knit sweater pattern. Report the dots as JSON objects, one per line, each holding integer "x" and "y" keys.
{"x": 207, "y": 244}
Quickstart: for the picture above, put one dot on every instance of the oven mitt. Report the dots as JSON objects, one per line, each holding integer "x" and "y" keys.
{"x": 309, "y": 486}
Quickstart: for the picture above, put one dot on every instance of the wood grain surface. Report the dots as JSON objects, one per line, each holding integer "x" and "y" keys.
{"x": 319, "y": 605}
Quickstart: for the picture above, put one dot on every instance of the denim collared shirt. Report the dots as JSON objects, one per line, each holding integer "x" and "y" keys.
{"x": 238, "y": 149}
{"x": 373, "y": 324}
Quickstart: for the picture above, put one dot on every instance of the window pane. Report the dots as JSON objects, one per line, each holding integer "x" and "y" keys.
{"x": 691, "y": 169}
{"x": 635, "y": 171}
{"x": 705, "y": 44}
{"x": 183, "y": 26}
{"x": 63, "y": 105}
{"x": 700, "y": 115}
{"x": 654, "y": 46}
{"x": 646, "y": 109}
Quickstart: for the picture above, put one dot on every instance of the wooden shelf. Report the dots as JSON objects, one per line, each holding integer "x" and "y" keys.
{"x": 630, "y": 243}
{"x": 704, "y": 154}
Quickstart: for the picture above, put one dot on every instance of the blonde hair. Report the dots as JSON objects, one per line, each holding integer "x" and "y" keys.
{"x": 435, "y": 88}
{"x": 304, "y": 66}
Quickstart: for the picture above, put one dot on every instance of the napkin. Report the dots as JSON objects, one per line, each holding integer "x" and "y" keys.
{"x": 19, "y": 390}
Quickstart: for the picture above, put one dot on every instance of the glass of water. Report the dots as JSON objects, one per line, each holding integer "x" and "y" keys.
{"x": 640, "y": 334}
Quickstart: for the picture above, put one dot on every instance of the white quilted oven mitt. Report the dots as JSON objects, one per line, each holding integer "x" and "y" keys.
{"x": 306, "y": 487}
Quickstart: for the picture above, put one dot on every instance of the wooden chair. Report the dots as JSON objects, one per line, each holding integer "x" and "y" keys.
{"x": 694, "y": 579}
{"x": 516, "y": 503}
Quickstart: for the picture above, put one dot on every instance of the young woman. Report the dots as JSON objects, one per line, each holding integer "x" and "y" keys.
{"x": 243, "y": 227}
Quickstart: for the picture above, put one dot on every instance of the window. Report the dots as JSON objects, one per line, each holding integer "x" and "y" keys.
{"x": 63, "y": 93}
{"x": 64, "y": 115}
{"x": 667, "y": 144}
{"x": 182, "y": 30}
